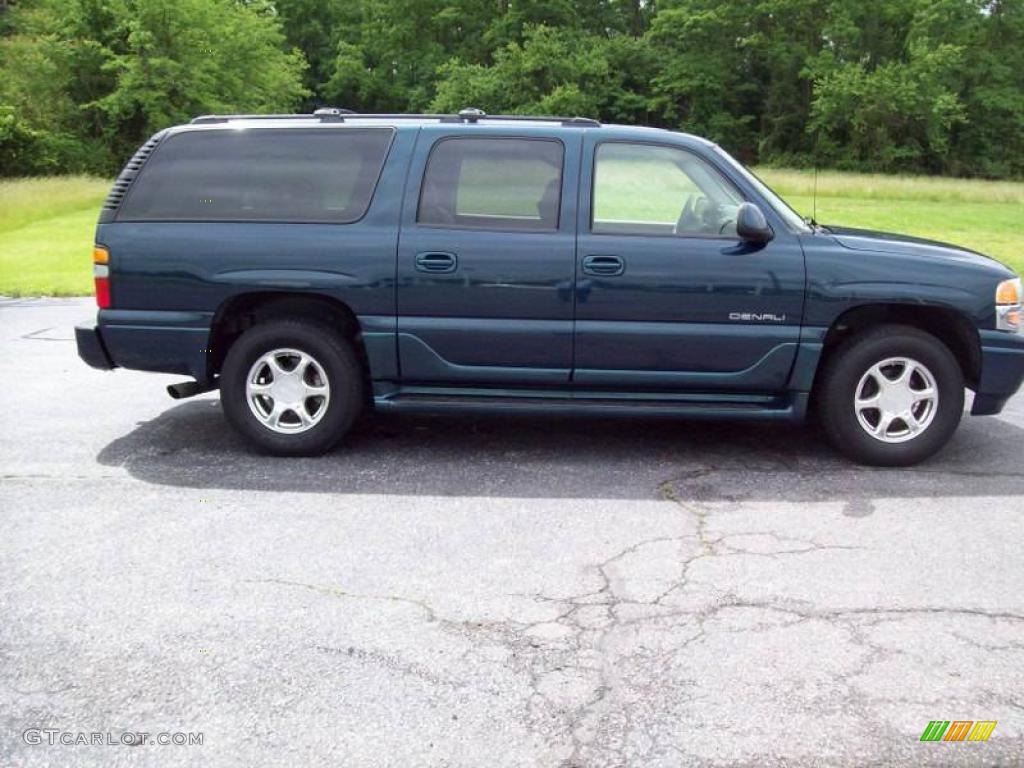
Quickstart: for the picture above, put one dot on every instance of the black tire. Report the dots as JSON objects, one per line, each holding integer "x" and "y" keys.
{"x": 842, "y": 374}
{"x": 335, "y": 357}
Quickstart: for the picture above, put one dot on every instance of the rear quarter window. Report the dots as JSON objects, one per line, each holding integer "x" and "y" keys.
{"x": 260, "y": 174}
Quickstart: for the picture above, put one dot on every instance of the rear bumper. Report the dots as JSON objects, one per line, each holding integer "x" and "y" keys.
{"x": 90, "y": 347}
{"x": 1002, "y": 371}
{"x": 162, "y": 342}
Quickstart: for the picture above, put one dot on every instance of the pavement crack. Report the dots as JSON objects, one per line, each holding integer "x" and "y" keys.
{"x": 989, "y": 646}
{"x": 574, "y": 675}
{"x": 45, "y": 691}
{"x": 338, "y": 592}
{"x": 38, "y": 336}
{"x": 393, "y": 663}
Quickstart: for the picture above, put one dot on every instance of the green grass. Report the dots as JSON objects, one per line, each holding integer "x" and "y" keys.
{"x": 985, "y": 216}
{"x": 46, "y": 225}
{"x": 46, "y": 232}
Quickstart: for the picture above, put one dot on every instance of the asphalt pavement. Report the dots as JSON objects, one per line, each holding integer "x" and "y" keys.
{"x": 487, "y": 591}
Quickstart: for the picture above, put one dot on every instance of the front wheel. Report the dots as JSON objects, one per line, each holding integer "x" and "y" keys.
{"x": 292, "y": 387}
{"x": 891, "y": 396}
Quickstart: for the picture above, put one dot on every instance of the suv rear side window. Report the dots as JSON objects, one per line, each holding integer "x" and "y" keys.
{"x": 260, "y": 174}
{"x": 482, "y": 183}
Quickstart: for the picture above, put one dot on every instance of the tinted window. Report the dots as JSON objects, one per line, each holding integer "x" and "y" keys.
{"x": 493, "y": 184}
{"x": 645, "y": 189}
{"x": 258, "y": 174}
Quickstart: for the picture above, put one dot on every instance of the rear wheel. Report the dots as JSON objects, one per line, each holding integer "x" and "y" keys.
{"x": 292, "y": 387}
{"x": 891, "y": 396}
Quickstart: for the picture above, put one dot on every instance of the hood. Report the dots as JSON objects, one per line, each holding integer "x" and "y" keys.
{"x": 885, "y": 242}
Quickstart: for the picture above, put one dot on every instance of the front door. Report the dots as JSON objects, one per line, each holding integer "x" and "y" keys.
{"x": 668, "y": 296}
{"x": 486, "y": 257}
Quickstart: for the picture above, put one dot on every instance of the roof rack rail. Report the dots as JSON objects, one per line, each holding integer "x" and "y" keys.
{"x": 469, "y": 115}
{"x": 322, "y": 114}
{"x": 474, "y": 115}
{"x": 332, "y": 111}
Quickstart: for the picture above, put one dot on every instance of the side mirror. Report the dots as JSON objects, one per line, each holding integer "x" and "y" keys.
{"x": 751, "y": 225}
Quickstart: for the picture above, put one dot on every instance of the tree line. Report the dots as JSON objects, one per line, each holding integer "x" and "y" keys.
{"x": 921, "y": 86}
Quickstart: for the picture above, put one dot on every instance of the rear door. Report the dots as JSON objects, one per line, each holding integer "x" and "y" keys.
{"x": 668, "y": 296}
{"x": 486, "y": 257}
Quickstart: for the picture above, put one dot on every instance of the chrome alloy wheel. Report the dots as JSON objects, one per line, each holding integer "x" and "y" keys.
{"x": 287, "y": 390}
{"x": 896, "y": 400}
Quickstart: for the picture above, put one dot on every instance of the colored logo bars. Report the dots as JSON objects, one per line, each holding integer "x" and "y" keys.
{"x": 958, "y": 730}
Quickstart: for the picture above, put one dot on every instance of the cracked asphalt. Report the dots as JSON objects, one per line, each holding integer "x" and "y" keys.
{"x": 490, "y": 592}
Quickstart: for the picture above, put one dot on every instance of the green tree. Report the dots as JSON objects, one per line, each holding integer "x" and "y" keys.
{"x": 388, "y": 62}
{"x": 900, "y": 115}
{"x": 894, "y": 85}
{"x": 934, "y": 87}
{"x": 554, "y": 71}
{"x": 315, "y": 27}
{"x": 101, "y": 75}
{"x": 173, "y": 59}
{"x": 989, "y": 82}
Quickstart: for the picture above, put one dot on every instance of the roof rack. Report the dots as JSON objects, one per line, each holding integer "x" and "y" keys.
{"x": 474, "y": 115}
{"x": 469, "y": 115}
{"x": 323, "y": 115}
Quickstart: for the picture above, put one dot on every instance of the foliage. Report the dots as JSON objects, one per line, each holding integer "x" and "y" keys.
{"x": 93, "y": 78}
{"x": 553, "y": 71}
{"x": 895, "y": 116}
{"x": 923, "y": 86}
{"x": 19, "y": 144}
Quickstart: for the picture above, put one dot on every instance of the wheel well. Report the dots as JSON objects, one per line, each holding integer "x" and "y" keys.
{"x": 239, "y": 313}
{"x": 947, "y": 325}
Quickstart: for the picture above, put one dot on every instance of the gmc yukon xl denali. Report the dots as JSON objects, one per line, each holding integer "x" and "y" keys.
{"x": 312, "y": 266}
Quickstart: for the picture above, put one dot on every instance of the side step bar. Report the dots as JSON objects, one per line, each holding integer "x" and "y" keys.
{"x": 790, "y": 408}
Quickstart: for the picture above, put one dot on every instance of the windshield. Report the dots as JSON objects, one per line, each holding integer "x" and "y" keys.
{"x": 793, "y": 219}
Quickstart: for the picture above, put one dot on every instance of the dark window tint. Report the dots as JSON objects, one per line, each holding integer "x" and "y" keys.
{"x": 256, "y": 174}
{"x": 493, "y": 184}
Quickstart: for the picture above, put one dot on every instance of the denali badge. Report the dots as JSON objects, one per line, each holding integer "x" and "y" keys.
{"x": 757, "y": 317}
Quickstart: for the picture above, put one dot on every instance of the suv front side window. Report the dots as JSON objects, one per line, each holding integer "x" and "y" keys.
{"x": 650, "y": 189}
{"x": 493, "y": 183}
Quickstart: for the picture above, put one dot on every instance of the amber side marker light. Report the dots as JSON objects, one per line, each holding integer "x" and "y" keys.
{"x": 1008, "y": 305}
{"x": 101, "y": 275}
{"x": 1008, "y": 292}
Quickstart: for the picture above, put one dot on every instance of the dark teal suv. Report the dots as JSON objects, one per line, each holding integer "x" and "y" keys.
{"x": 312, "y": 266}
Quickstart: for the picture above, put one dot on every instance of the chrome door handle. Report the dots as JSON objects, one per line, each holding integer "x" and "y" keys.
{"x": 436, "y": 261}
{"x": 603, "y": 266}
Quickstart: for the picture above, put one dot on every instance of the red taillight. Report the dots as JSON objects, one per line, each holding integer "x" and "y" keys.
{"x": 102, "y": 292}
{"x": 101, "y": 275}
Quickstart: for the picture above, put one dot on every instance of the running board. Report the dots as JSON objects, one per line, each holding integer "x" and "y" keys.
{"x": 792, "y": 407}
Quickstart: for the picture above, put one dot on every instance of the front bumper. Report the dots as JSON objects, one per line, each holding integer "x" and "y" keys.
{"x": 90, "y": 347}
{"x": 1002, "y": 371}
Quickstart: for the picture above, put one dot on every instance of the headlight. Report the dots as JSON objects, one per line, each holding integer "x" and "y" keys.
{"x": 1008, "y": 309}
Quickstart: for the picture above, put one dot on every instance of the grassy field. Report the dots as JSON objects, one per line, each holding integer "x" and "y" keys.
{"x": 46, "y": 225}
{"x": 46, "y": 229}
{"x": 985, "y": 216}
